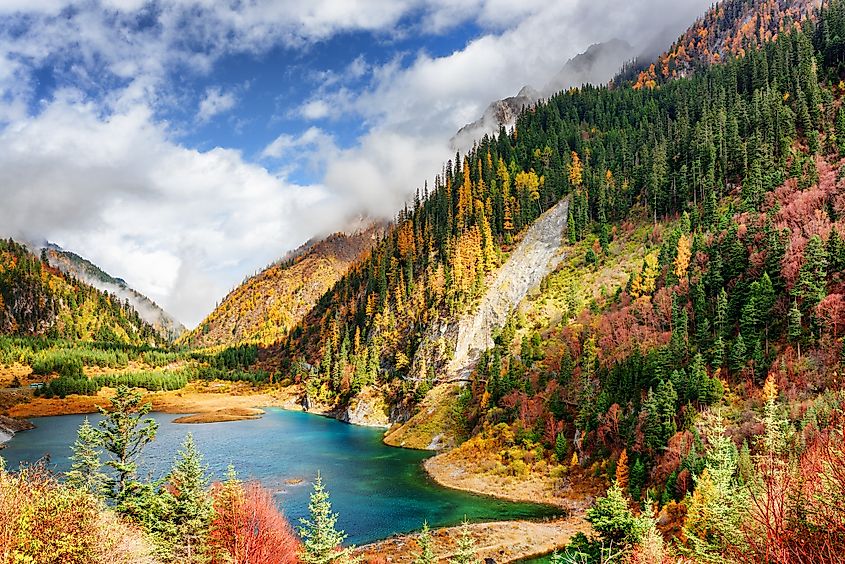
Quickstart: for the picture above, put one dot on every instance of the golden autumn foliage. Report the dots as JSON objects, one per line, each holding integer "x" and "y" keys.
{"x": 266, "y": 306}
{"x": 576, "y": 171}
{"x": 643, "y": 282}
{"x": 45, "y": 522}
{"x": 683, "y": 257}
{"x": 622, "y": 471}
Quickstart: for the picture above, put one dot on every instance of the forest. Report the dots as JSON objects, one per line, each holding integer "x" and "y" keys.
{"x": 723, "y": 348}
{"x": 705, "y": 388}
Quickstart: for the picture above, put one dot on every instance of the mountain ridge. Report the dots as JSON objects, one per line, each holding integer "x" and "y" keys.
{"x": 266, "y": 305}
{"x": 81, "y": 268}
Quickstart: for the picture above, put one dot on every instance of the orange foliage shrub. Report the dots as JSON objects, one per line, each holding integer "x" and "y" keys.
{"x": 248, "y": 528}
{"x": 799, "y": 516}
{"x": 43, "y": 521}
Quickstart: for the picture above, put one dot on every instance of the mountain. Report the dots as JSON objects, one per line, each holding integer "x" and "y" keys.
{"x": 690, "y": 330}
{"x": 728, "y": 29}
{"x": 267, "y": 305}
{"x": 39, "y": 300}
{"x": 597, "y": 65}
{"x": 84, "y": 270}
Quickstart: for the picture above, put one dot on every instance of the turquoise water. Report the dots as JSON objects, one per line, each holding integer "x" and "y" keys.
{"x": 378, "y": 490}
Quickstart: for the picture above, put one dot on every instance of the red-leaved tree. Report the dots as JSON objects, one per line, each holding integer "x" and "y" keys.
{"x": 798, "y": 516}
{"x": 248, "y": 528}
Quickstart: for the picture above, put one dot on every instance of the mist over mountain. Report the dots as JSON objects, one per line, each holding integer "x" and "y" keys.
{"x": 74, "y": 265}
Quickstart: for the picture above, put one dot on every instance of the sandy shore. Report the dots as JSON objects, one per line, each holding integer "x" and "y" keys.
{"x": 228, "y": 414}
{"x": 209, "y": 402}
{"x": 574, "y": 493}
{"x": 503, "y": 541}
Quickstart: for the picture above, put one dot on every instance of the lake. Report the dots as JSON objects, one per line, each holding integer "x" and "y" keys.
{"x": 377, "y": 490}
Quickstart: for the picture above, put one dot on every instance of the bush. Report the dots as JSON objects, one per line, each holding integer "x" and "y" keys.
{"x": 43, "y": 521}
{"x": 613, "y": 520}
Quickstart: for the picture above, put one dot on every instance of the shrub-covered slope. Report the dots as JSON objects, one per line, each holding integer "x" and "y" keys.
{"x": 39, "y": 300}
{"x": 266, "y": 306}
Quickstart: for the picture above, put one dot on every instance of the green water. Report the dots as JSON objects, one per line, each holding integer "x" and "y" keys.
{"x": 378, "y": 490}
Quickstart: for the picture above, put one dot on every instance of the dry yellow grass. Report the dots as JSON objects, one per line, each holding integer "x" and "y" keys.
{"x": 196, "y": 398}
{"x": 228, "y": 414}
{"x": 431, "y": 427}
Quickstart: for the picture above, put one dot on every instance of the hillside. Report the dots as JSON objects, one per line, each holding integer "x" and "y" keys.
{"x": 729, "y": 29}
{"x": 39, "y": 300}
{"x": 709, "y": 210}
{"x": 84, "y": 270}
{"x": 266, "y": 306}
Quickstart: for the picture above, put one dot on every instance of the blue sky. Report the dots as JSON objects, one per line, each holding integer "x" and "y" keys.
{"x": 184, "y": 144}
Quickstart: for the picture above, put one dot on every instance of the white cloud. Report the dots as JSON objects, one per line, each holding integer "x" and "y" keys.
{"x": 174, "y": 222}
{"x": 97, "y": 173}
{"x": 215, "y": 102}
{"x": 413, "y": 109}
{"x": 316, "y": 109}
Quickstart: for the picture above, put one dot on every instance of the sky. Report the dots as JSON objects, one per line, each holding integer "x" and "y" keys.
{"x": 183, "y": 145}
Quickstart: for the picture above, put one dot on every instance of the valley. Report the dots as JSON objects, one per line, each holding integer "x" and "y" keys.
{"x": 608, "y": 332}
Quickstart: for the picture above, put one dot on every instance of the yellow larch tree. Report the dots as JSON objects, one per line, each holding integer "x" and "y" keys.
{"x": 576, "y": 171}
{"x": 683, "y": 257}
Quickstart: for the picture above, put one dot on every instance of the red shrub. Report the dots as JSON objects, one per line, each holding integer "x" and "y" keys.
{"x": 248, "y": 528}
{"x": 799, "y": 516}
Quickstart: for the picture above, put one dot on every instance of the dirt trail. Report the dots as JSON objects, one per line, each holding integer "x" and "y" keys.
{"x": 538, "y": 254}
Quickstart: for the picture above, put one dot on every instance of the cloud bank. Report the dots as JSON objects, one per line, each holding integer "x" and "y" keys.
{"x": 91, "y": 165}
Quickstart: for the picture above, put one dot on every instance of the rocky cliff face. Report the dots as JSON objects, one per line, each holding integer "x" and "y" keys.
{"x": 538, "y": 254}
{"x": 10, "y": 426}
{"x": 368, "y": 408}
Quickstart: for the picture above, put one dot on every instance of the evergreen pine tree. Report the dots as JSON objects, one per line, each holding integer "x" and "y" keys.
{"x": 637, "y": 478}
{"x": 124, "y": 432}
{"x": 85, "y": 468}
{"x": 191, "y": 505}
{"x": 811, "y": 286}
{"x": 721, "y": 312}
{"x": 321, "y": 541}
{"x": 835, "y": 252}
{"x": 465, "y": 553}
{"x": 795, "y": 329}
{"x": 426, "y": 555}
{"x": 718, "y": 355}
{"x": 840, "y": 130}
{"x": 739, "y": 353}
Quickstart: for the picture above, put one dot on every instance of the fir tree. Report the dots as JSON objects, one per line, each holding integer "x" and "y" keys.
{"x": 721, "y": 313}
{"x": 718, "y": 355}
{"x": 739, "y": 354}
{"x": 795, "y": 329}
{"x": 191, "y": 505}
{"x": 613, "y": 520}
{"x": 811, "y": 285}
{"x": 426, "y": 555}
{"x": 465, "y": 553}
{"x": 124, "y": 432}
{"x": 85, "y": 469}
{"x": 321, "y": 541}
{"x": 637, "y": 478}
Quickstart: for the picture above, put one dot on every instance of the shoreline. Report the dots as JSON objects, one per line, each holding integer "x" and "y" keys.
{"x": 503, "y": 541}
{"x": 573, "y": 495}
